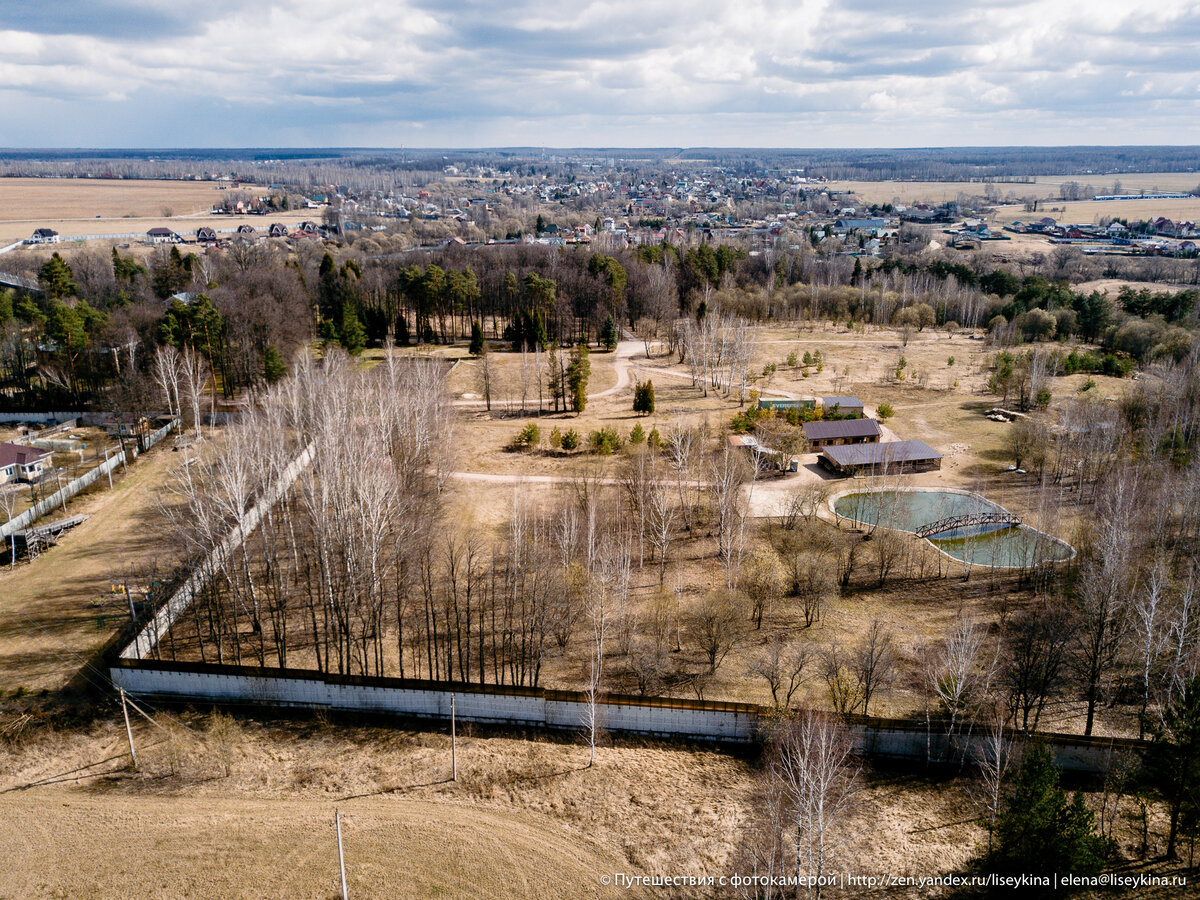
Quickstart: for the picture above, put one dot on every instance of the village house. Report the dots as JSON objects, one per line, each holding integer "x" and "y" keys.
{"x": 44, "y": 236}
{"x": 206, "y": 235}
{"x": 21, "y": 463}
{"x": 160, "y": 235}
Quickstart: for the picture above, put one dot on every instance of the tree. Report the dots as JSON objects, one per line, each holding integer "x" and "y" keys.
{"x": 1036, "y": 655}
{"x": 717, "y": 626}
{"x": 578, "y": 373}
{"x": 1040, "y": 832}
{"x": 57, "y": 279}
{"x": 608, "y": 334}
{"x": 1173, "y": 761}
{"x": 813, "y": 761}
{"x": 643, "y": 398}
{"x": 783, "y": 668}
{"x": 274, "y": 368}
{"x": 884, "y": 411}
{"x": 351, "y": 335}
{"x": 477, "y": 342}
{"x": 874, "y": 663}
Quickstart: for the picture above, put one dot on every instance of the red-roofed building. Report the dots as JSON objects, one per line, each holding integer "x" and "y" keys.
{"x": 21, "y": 463}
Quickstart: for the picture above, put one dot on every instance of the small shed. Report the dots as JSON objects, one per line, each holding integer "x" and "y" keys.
{"x": 842, "y": 407}
{"x": 784, "y": 404}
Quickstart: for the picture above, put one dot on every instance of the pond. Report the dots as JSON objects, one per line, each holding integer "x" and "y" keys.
{"x": 1000, "y": 545}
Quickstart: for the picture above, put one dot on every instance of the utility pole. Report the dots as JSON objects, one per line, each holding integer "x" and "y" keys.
{"x": 453, "y": 743}
{"x": 337, "y": 823}
{"x": 128, "y": 729}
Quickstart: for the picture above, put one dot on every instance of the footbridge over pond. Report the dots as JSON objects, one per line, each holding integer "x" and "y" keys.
{"x": 967, "y": 520}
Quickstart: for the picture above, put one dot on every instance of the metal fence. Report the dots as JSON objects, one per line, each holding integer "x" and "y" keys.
{"x": 60, "y": 497}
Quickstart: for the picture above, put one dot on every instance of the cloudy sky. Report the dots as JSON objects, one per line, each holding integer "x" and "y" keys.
{"x": 420, "y": 73}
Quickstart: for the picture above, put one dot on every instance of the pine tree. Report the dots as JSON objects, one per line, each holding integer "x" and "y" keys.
{"x": 1039, "y": 831}
{"x": 351, "y": 334}
{"x": 274, "y": 368}
{"x": 56, "y": 278}
{"x": 1173, "y": 762}
{"x": 643, "y": 398}
{"x": 477, "y": 344}
{"x": 577, "y": 377}
{"x": 608, "y": 334}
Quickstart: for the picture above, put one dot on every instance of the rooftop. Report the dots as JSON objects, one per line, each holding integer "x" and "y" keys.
{"x": 841, "y": 428}
{"x": 20, "y": 454}
{"x": 877, "y": 454}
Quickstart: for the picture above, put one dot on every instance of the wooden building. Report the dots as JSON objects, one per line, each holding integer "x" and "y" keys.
{"x": 841, "y": 432}
{"x": 896, "y": 457}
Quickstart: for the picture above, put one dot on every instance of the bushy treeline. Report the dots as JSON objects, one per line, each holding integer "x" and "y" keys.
{"x": 90, "y": 335}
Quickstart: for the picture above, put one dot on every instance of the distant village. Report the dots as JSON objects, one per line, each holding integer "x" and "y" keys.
{"x": 610, "y": 210}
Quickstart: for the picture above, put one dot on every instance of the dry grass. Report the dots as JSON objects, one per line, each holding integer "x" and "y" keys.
{"x": 75, "y": 207}
{"x": 51, "y": 609}
{"x": 527, "y": 818}
{"x": 909, "y": 192}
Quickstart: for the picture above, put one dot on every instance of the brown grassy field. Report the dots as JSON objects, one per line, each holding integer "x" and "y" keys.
{"x": 1044, "y": 186}
{"x": 1090, "y": 212}
{"x": 58, "y": 609}
{"x": 527, "y": 818}
{"x": 79, "y": 207}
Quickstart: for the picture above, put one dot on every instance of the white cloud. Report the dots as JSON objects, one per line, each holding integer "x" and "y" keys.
{"x": 627, "y": 71}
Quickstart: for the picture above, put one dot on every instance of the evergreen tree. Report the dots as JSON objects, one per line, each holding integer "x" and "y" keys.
{"x": 351, "y": 334}
{"x": 578, "y": 373}
{"x": 477, "y": 344}
{"x": 274, "y": 368}
{"x": 608, "y": 334}
{"x": 57, "y": 279}
{"x": 643, "y": 398}
{"x": 1040, "y": 832}
{"x": 1173, "y": 762}
{"x": 402, "y": 330}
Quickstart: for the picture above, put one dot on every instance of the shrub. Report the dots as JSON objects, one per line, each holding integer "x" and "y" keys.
{"x": 527, "y": 438}
{"x": 570, "y": 439}
{"x": 791, "y": 360}
{"x": 637, "y": 435}
{"x": 654, "y": 441}
{"x": 950, "y": 361}
{"x": 605, "y": 441}
{"x": 556, "y": 438}
{"x": 884, "y": 411}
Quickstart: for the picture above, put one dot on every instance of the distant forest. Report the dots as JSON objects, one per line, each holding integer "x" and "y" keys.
{"x": 913, "y": 164}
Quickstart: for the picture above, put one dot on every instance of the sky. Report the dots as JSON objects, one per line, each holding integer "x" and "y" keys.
{"x": 630, "y": 73}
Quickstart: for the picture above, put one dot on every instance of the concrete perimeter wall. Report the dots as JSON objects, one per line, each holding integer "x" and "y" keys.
{"x": 486, "y": 704}
{"x": 666, "y": 717}
{"x": 60, "y": 497}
